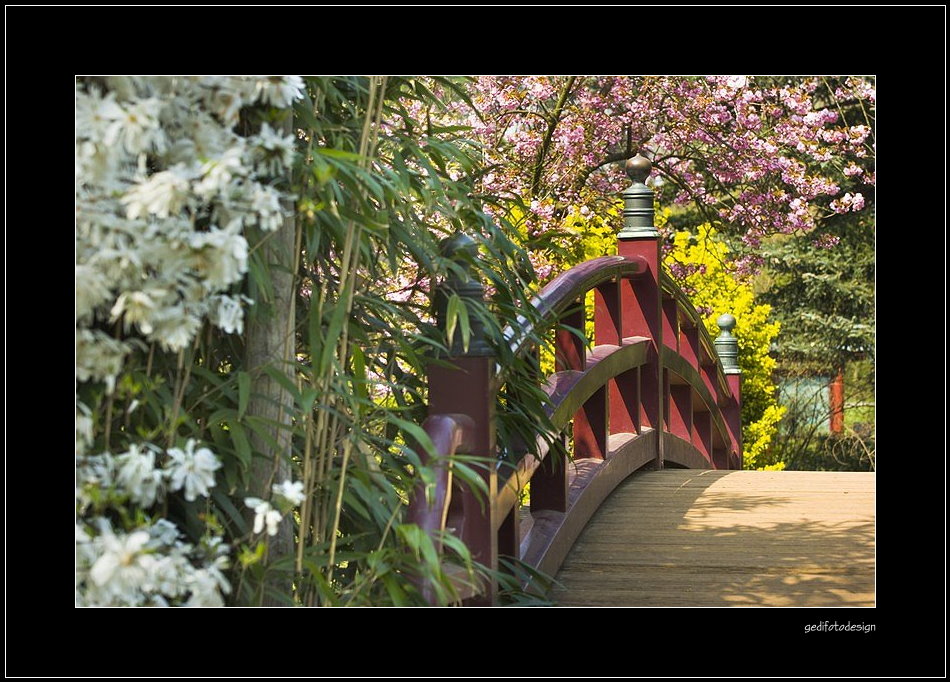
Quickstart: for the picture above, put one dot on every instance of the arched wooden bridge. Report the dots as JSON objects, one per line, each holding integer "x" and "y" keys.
{"x": 652, "y": 509}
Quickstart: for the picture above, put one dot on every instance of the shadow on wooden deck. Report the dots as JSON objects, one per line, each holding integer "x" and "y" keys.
{"x": 727, "y": 538}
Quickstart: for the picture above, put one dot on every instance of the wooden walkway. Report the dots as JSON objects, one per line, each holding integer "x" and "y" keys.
{"x": 688, "y": 537}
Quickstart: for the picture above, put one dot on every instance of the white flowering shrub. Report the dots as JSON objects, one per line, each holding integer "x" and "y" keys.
{"x": 166, "y": 194}
{"x": 211, "y": 468}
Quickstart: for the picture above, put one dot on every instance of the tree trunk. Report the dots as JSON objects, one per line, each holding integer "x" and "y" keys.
{"x": 270, "y": 343}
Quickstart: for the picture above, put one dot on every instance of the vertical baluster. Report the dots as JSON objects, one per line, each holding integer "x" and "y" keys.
{"x": 590, "y": 427}
{"x": 678, "y": 407}
{"x": 690, "y": 351}
{"x": 689, "y": 343}
{"x": 549, "y": 482}
{"x": 671, "y": 324}
{"x": 550, "y": 479}
{"x": 836, "y": 403}
{"x": 702, "y": 433}
{"x": 707, "y": 370}
{"x": 608, "y": 321}
{"x": 569, "y": 347}
{"x": 681, "y": 411}
{"x": 623, "y": 400}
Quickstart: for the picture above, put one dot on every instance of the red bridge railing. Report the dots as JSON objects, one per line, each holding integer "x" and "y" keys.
{"x": 653, "y": 391}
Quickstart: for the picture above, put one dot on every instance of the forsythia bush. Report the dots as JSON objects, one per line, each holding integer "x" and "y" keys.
{"x": 697, "y": 262}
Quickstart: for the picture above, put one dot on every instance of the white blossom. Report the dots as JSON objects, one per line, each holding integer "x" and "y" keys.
{"x": 160, "y": 195}
{"x": 99, "y": 357}
{"x": 164, "y": 532}
{"x": 169, "y": 574}
{"x": 95, "y": 113}
{"x": 217, "y": 174}
{"x": 206, "y": 586}
{"x": 291, "y": 491}
{"x": 280, "y": 91}
{"x": 192, "y": 470}
{"x": 226, "y": 96}
{"x": 137, "y": 307}
{"x": 137, "y": 128}
{"x": 220, "y": 256}
{"x": 83, "y": 427}
{"x": 272, "y": 152}
{"x": 265, "y": 202}
{"x": 123, "y": 567}
{"x": 264, "y": 514}
{"x": 227, "y": 314}
{"x": 138, "y": 475}
{"x": 175, "y": 328}
{"x": 95, "y": 470}
{"x": 92, "y": 290}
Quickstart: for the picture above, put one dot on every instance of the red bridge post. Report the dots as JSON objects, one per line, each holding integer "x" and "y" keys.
{"x": 464, "y": 383}
{"x": 641, "y": 300}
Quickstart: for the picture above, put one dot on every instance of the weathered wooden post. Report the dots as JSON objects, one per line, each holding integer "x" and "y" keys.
{"x": 727, "y": 348}
{"x": 640, "y": 298}
{"x": 464, "y": 383}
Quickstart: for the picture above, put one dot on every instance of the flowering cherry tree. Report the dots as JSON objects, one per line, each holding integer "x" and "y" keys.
{"x": 752, "y": 156}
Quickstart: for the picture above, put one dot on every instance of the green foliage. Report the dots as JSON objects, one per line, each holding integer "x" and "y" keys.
{"x": 824, "y": 297}
{"x": 379, "y": 189}
{"x": 701, "y": 260}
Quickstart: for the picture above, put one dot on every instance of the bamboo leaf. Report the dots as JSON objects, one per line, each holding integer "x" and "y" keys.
{"x": 338, "y": 154}
{"x": 466, "y": 327}
{"x": 224, "y": 503}
{"x": 242, "y": 447}
{"x": 359, "y": 380}
{"x": 415, "y": 432}
{"x": 451, "y": 317}
{"x": 333, "y": 334}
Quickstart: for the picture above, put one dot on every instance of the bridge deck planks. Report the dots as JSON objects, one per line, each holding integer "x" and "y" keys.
{"x": 687, "y": 537}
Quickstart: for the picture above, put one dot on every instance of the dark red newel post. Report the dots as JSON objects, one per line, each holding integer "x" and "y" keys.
{"x": 640, "y": 298}
{"x": 466, "y": 385}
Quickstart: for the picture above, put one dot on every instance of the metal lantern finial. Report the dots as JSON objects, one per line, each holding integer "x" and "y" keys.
{"x": 638, "y": 200}
{"x": 727, "y": 346}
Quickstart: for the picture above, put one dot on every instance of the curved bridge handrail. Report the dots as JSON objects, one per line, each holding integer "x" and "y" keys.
{"x": 450, "y": 434}
{"x": 569, "y": 390}
{"x": 561, "y": 293}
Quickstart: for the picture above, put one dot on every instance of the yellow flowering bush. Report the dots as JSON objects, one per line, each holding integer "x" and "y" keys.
{"x": 697, "y": 263}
